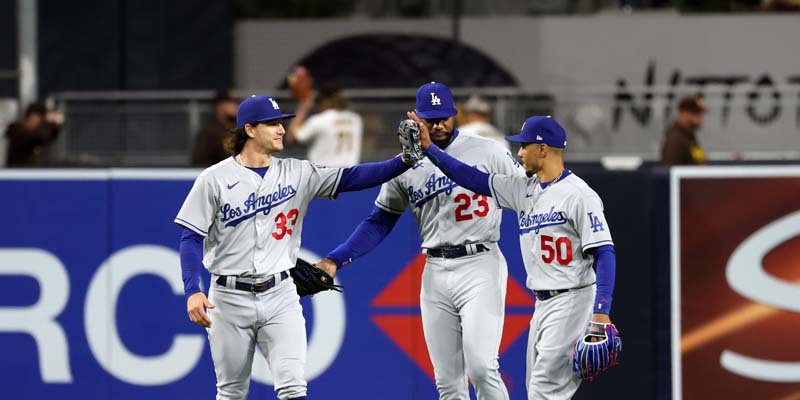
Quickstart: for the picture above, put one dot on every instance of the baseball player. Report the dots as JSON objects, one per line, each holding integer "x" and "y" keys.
{"x": 464, "y": 281}
{"x": 335, "y": 133}
{"x": 477, "y": 120}
{"x": 243, "y": 220}
{"x": 563, "y": 234}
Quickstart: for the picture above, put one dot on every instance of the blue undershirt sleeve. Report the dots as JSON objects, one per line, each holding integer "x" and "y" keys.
{"x": 191, "y": 251}
{"x": 371, "y": 174}
{"x": 466, "y": 176}
{"x": 369, "y": 234}
{"x": 606, "y": 262}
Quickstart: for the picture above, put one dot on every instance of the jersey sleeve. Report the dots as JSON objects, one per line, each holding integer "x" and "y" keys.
{"x": 200, "y": 207}
{"x": 505, "y": 163}
{"x": 392, "y": 198}
{"x": 309, "y": 129}
{"x": 509, "y": 190}
{"x": 323, "y": 181}
{"x": 590, "y": 222}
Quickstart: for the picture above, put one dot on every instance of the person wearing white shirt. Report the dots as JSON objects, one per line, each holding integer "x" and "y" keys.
{"x": 334, "y": 134}
{"x": 477, "y": 113}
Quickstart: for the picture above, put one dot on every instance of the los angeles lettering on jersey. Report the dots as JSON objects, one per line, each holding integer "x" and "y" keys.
{"x": 255, "y": 204}
{"x": 535, "y": 222}
{"x": 434, "y": 186}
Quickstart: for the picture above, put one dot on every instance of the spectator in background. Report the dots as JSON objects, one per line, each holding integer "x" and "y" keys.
{"x": 477, "y": 117}
{"x": 210, "y": 145}
{"x": 680, "y": 140}
{"x": 29, "y": 139}
{"x": 335, "y": 133}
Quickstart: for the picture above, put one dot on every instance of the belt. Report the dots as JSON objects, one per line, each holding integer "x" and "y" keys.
{"x": 456, "y": 252}
{"x": 548, "y": 294}
{"x": 253, "y": 287}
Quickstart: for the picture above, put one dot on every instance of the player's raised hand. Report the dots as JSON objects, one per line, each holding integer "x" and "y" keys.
{"x": 424, "y": 133}
{"x": 327, "y": 265}
{"x": 196, "y": 306}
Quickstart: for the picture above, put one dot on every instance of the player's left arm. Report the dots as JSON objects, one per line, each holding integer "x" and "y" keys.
{"x": 367, "y": 175}
{"x": 327, "y": 182}
{"x": 605, "y": 261}
{"x": 595, "y": 235}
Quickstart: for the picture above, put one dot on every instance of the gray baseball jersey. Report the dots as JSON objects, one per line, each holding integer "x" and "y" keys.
{"x": 462, "y": 300}
{"x": 448, "y": 214}
{"x": 557, "y": 225}
{"x": 252, "y": 226}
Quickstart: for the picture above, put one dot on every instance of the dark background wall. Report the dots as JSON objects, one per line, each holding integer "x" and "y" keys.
{"x": 125, "y": 45}
{"x": 8, "y": 46}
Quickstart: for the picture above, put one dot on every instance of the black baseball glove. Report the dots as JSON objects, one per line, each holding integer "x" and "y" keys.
{"x": 311, "y": 280}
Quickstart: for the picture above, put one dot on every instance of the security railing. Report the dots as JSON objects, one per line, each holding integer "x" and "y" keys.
{"x": 158, "y": 128}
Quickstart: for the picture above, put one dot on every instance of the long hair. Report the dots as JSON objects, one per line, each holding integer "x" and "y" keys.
{"x": 236, "y": 143}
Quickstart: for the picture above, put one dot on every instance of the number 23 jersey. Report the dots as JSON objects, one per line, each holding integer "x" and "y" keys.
{"x": 449, "y": 215}
{"x": 557, "y": 225}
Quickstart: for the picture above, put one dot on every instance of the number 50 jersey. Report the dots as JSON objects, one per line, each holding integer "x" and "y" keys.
{"x": 447, "y": 214}
{"x": 557, "y": 225}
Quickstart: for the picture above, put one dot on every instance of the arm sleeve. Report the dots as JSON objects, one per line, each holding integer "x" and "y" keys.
{"x": 590, "y": 222}
{"x": 367, "y": 175}
{"x": 467, "y": 177}
{"x": 605, "y": 259}
{"x": 191, "y": 251}
{"x": 369, "y": 234}
{"x": 323, "y": 182}
{"x": 199, "y": 208}
{"x": 505, "y": 163}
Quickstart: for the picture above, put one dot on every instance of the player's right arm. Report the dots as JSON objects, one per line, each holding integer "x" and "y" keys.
{"x": 191, "y": 253}
{"x": 196, "y": 218}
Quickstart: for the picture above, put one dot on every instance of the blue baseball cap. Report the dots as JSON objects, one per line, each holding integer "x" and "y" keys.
{"x": 541, "y": 130}
{"x": 434, "y": 100}
{"x": 257, "y": 109}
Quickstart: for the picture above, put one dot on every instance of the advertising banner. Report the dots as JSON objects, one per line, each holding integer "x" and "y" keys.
{"x": 736, "y": 298}
{"x": 92, "y": 305}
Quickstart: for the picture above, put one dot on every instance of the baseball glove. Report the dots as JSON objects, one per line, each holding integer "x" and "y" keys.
{"x": 311, "y": 280}
{"x": 300, "y": 82}
{"x": 408, "y": 133}
{"x": 589, "y": 358}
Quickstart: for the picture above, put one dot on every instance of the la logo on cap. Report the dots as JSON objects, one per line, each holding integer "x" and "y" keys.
{"x": 274, "y": 104}
{"x": 435, "y": 101}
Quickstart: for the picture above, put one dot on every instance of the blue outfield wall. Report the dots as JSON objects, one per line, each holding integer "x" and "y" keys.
{"x": 91, "y": 302}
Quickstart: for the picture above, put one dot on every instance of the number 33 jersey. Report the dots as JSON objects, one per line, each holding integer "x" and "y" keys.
{"x": 557, "y": 225}
{"x": 252, "y": 225}
{"x": 449, "y": 215}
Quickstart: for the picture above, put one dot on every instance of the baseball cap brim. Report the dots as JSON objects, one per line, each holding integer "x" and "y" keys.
{"x": 282, "y": 116}
{"x": 433, "y": 114}
{"x": 518, "y": 139}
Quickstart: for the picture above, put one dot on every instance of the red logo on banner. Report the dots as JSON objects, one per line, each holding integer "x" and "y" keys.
{"x": 406, "y": 330}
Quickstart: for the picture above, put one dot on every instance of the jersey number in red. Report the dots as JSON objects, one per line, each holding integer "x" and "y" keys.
{"x": 281, "y": 221}
{"x": 464, "y": 203}
{"x": 559, "y": 250}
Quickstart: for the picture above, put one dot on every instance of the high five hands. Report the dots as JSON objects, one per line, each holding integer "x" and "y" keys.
{"x": 424, "y": 132}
